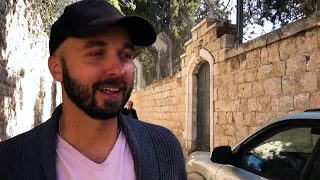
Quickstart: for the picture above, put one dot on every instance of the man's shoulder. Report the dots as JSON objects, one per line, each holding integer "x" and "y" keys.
{"x": 155, "y": 132}
{"x": 21, "y": 142}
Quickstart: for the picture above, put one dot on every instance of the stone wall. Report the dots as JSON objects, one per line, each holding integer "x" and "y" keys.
{"x": 269, "y": 77}
{"x": 250, "y": 84}
{"x": 163, "y": 103}
{"x": 28, "y": 93}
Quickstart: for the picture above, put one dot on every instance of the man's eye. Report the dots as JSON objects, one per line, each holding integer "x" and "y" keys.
{"x": 127, "y": 56}
{"x": 96, "y": 53}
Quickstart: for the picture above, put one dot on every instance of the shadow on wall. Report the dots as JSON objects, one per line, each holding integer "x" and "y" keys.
{"x": 53, "y": 95}
{"x": 8, "y": 80}
{"x": 7, "y": 102}
{"x": 39, "y": 104}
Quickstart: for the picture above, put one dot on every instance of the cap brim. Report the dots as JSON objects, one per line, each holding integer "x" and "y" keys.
{"x": 141, "y": 31}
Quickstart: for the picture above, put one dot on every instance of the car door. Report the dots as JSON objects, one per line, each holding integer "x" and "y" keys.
{"x": 278, "y": 152}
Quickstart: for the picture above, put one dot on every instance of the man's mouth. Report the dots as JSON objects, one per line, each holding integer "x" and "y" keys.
{"x": 109, "y": 90}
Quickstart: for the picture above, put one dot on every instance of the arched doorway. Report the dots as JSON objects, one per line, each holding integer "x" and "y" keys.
{"x": 206, "y": 61}
{"x": 203, "y": 108}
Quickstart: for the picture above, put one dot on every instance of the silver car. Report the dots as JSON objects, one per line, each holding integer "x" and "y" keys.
{"x": 288, "y": 148}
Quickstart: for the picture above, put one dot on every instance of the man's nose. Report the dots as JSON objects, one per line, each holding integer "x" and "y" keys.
{"x": 113, "y": 66}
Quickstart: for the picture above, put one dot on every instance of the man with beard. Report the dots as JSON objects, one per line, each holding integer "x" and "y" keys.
{"x": 91, "y": 55}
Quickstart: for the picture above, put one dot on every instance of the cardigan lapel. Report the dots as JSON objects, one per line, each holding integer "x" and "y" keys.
{"x": 133, "y": 144}
{"x": 48, "y": 144}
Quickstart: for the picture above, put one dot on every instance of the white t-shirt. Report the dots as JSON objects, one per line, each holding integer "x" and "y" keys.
{"x": 72, "y": 165}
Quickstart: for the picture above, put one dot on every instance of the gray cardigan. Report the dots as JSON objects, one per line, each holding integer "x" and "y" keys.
{"x": 157, "y": 153}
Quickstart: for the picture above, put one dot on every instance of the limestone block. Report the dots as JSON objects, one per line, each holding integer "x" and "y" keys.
{"x": 252, "y": 104}
{"x": 233, "y": 65}
{"x": 264, "y": 56}
{"x": 229, "y": 130}
{"x": 218, "y": 81}
{"x": 224, "y": 141}
{"x": 253, "y": 129}
{"x": 229, "y": 117}
{"x": 243, "y": 105}
{"x": 286, "y": 103}
{"x": 247, "y": 118}
{"x": 264, "y": 104}
{"x": 273, "y": 53}
{"x": 279, "y": 69}
{"x": 189, "y": 49}
{"x": 262, "y": 118}
{"x": 233, "y": 92}
{"x": 275, "y": 104}
{"x": 296, "y": 64}
{"x": 212, "y": 34}
{"x": 315, "y": 100}
{"x": 301, "y": 102}
{"x": 227, "y": 41}
{"x": 226, "y": 105}
{"x": 206, "y": 39}
{"x": 221, "y": 68}
{"x": 307, "y": 42}
{"x": 308, "y": 82}
{"x": 218, "y": 105}
{"x": 280, "y": 114}
{"x": 216, "y": 141}
{"x": 215, "y": 94}
{"x": 242, "y": 132}
{"x": 239, "y": 77}
{"x": 253, "y": 59}
{"x": 243, "y": 61}
{"x": 203, "y": 30}
{"x": 221, "y": 118}
{"x": 250, "y": 75}
{"x": 235, "y": 105}
{"x": 235, "y": 51}
{"x": 272, "y": 86}
{"x": 195, "y": 35}
{"x": 314, "y": 62}
{"x": 223, "y": 93}
{"x": 288, "y": 47}
{"x": 265, "y": 72}
{"x": 216, "y": 45}
{"x": 290, "y": 83}
{"x": 245, "y": 90}
{"x": 238, "y": 118}
{"x": 258, "y": 89}
{"x": 228, "y": 80}
{"x": 222, "y": 55}
{"x": 216, "y": 69}
{"x": 232, "y": 141}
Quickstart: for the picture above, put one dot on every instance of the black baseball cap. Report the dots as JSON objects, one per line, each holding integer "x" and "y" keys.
{"x": 89, "y": 17}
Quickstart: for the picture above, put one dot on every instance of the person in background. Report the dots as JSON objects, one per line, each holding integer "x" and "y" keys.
{"x": 129, "y": 111}
{"x": 87, "y": 137}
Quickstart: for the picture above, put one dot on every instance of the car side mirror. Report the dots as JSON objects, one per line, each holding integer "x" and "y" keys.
{"x": 222, "y": 155}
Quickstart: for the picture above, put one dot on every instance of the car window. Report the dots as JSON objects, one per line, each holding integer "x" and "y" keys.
{"x": 283, "y": 156}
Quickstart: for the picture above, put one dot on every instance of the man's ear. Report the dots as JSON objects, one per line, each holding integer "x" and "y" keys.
{"x": 55, "y": 68}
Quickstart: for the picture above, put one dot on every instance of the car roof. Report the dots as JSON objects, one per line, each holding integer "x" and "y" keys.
{"x": 309, "y": 114}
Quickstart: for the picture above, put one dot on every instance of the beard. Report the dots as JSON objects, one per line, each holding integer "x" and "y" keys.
{"x": 84, "y": 96}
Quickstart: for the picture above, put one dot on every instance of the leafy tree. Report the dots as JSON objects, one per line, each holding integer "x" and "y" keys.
{"x": 278, "y": 12}
{"x": 166, "y": 17}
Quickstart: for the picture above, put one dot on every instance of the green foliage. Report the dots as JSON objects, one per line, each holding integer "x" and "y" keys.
{"x": 278, "y": 12}
{"x": 115, "y": 3}
{"x": 48, "y": 10}
{"x": 166, "y": 17}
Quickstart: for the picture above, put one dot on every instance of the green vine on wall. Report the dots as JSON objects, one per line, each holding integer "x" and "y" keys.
{"x": 48, "y": 10}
